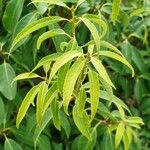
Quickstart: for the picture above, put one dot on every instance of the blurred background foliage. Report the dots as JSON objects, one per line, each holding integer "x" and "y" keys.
{"x": 130, "y": 33}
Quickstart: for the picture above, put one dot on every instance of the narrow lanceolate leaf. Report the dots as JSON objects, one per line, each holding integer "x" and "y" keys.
{"x": 117, "y": 57}
{"x": 111, "y": 47}
{"x": 96, "y": 19}
{"x": 94, "y": 92}
{"x": 52, "y": 2}
{"x": 55, "y": 114}
{"x": 29, "y": 98}
{"x": 115, "y": 10}
{"x": 136, "y": 120}
{"x": 7, "y": 75}
{"x": 11, "y": 145}
{"x": 70, "y": 82}
{"x": 50, "y": 95}
{"x": 79, "y": 3}
{"x": 101, "y": 70}
{"x": 46, "y": 59}
{"x": 82, "y": 123}
{"x": 36, "y": 25}
{"x": 93, "y": 31}
{"x": 28, "y": 75}
{"x": 50, "y": 34}
{"x": 119, "y": 134}
{"x": 40, "y": 102}
{"x": 81, "y": 101}
{"x": 64, "y": 58}
{"x": 38, "y": 130}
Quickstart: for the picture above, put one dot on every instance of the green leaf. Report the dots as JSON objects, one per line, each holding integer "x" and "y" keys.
{"x": 70, "y": 81}
{"x": 79, "y": 3}
{"x": 11, "y": 145}
{"x": 55, "y": 114}
{"x": 94, "y": 92}
{"x": 136, "y": 120}
{"x": 119, "y": 133}
{"x": 115, "y": 10}
{"x": 111, "y": 47}
{"x": 84, "y": 143}
{"x": 81, "y": 101}
{"x": 46, "y": 59}
{"x": 36, "y": 25}
{"x": 50, "y": 95}
{"x": 40, "y": 102}
{"x": 101, "y": 70}
{"x": 96, "y": 19}
{"x": 61, "y": 76}
{"x": 93, "y": 31}
{"x": 28, "y": 75}
{"x": 2, "y": 111}
{"x": 117, "y": 57}
{"x": 82, "y": 123}
{"x": 52, "y": 2}
{"x": 38, "y": 130}
{"x": 6, "y": 78}
{"x": 64, "y": 58}
{"x": 29, "y": 98}
{"x": 50, "y": 34}
{"x": 12, "y": 14}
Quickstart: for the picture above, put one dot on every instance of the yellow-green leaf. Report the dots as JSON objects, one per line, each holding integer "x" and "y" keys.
{"x": 40, "y": 102}
{"x": 70, "y": 81}
{"x": 29, "y": 98}
{"x": 115, "y": 10}
{"x": 64, "y": 58}
{"x": 52, "y": 2}
{"x": 119, "y": 134}
{"x": 117, "y": 57}
{"x": 94, "y": 92}
{"x": 82, "y": 123}
{"x": 55, "y": 113}
{"x": 101, "y": 70}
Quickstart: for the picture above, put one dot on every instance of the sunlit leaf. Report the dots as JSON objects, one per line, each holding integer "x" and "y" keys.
{"x": 70, "y": 81}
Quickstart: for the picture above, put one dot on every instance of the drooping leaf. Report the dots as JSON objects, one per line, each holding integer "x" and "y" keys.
{"x": 28, "y": 75}
{"x": 55, "y": 113}
{"x": 36, "y": 25}
{"x": 29, "y": 98}
{"x": 6, "y": 78}
{"x": 52, "y": 2}
{"x": 119, "y": 133}
{"x": 70, "y": 81}
{"x": 11, "y": 145}
{"x": 64, "y": 58}
{"x": 46, "y": 59}
{"x": 40, "y": 102}
{"x": 38, "y": 130}
{"x": 117, "y": 57}
{"x": 50, "y": 34}
{"x": 12, "y": 14}
{"x": 81, "y": 101}
{"x": 94, "y": 92}
{"x": 97, "y": 20}
{"x": 101, "y": 70}
{"x": 82, "y": 123}
{"x": 115, "y": 10}
{"x": 93, "y": 31}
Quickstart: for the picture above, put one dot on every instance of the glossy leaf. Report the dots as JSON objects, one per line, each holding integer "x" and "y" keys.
{"x": 6, "y": 78}
{"x": 64, "y": 58}
{"x": 70, "y": 81}
{"x": 29, "y": 98}
{"x": 94, "y": 92}
{"x": 101, "y": 70}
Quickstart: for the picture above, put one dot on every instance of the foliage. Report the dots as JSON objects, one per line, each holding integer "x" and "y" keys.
{"x": 73, "y": 61}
